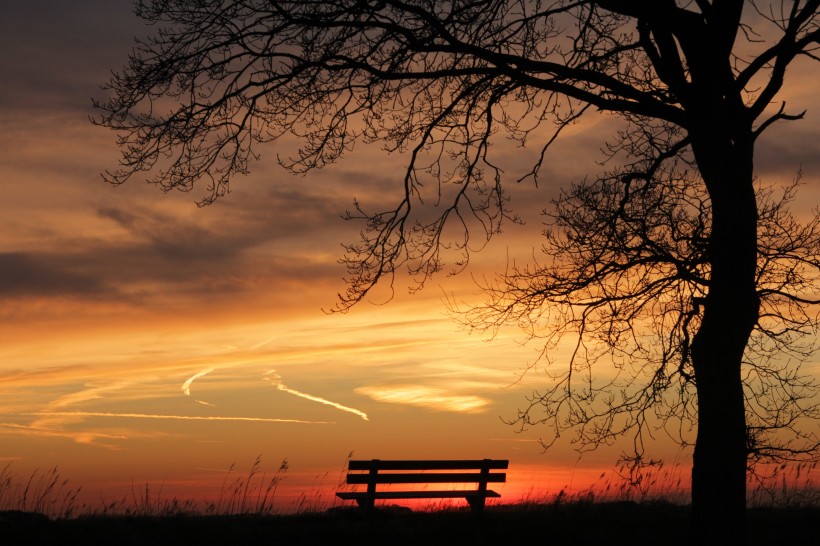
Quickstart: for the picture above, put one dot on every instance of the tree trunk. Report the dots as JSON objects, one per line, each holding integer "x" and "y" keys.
{"x": 725, "y": 160}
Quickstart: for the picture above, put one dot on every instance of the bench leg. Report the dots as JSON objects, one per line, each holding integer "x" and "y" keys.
{"x": 476, "y": 503}
{"x": 366, "y": 504}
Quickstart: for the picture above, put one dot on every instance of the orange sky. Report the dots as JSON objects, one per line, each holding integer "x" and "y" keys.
{"x": 145, "y": 339}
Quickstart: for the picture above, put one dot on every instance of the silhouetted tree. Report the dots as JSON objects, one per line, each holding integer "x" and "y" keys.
{"x": 675, "y": 240}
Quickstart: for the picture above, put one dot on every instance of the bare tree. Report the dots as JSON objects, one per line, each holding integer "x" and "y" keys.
{"x": 625, "y": 273}
{"x": 692, "y": 255}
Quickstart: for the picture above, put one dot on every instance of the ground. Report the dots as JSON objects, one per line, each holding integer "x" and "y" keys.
{"x": 577, "y": 524}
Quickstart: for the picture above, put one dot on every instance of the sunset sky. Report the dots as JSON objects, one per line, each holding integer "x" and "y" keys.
{"x": 144, "y": 339}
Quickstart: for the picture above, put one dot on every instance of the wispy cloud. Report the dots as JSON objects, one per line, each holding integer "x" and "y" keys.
{"x": 54, "y": 415}
{"x": 425, "y": 396}
{"x": 81, "y": 437}
{"x": 92, "y": 392}
{"x": 174, "y": 417}
{"x": 276, "y": 380}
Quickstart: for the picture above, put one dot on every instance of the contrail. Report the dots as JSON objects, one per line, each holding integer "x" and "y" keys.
{"x": 276, "y": 379}
{"x": 28, "y": 429}
{"x": 336, "y": 405}
{"x": 175, "y": 417}
{"x": 186, "y": 387}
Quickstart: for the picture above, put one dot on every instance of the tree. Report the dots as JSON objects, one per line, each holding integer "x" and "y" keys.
{"x": 675, "y": 238}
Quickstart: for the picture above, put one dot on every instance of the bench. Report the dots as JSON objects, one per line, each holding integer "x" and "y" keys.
{"x": 375, "y": 472}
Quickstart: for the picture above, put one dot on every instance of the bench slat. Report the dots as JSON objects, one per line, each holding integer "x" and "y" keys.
{"x": 494, "y": 464}
{"x": 463, "y": 477}
{"x": 417, "y": 495}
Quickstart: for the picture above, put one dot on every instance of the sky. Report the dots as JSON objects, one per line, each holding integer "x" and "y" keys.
{"x": 146, "y": 340}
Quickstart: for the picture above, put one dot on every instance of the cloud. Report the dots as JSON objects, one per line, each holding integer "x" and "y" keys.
{"x": 56, "y": 59}
{"x": 151, "y": 256}
{"x": 434, "y": 398}
{"x": 81, "y": 437}
{"x": 175, "y": 417}
{"x": 785, "y": 149}
{"x": 276, "y": 380}
{"x": 58, "y": 418}
{"x": 24, "y": 274}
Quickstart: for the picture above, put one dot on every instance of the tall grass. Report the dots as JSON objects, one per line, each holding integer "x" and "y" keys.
{"x": 42, "y": 492}
{"x": 785, "y": 485}
{"x": 322, "y": 497}
{"x": 789, "y": 485}
{"x": 48, "y": 494}
{"x": 255, "y": 492}
{"x": 251, "y": 494}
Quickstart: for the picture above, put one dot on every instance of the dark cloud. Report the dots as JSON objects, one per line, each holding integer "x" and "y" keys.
{"x": 788, "y": 147}
{"x": 59, "y": 53}
{"x": 168, "y": 256}
{"x": 56, "y": 29}
{"x": 27, "y": 274}
{"x": 221, "y": 249}
{"x": 166, "y": 238}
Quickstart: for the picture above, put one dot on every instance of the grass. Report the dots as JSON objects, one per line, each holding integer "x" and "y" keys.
{"x": 46, "y": 494}
{"x": 786, "y": 485}
{"x": 41, "y": 493}
{"x": 640, "y": 505}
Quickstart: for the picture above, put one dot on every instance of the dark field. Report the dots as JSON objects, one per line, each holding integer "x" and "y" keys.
{"x": 609, "y": 524}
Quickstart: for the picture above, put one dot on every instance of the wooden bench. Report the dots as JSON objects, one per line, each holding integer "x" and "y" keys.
{"x": 372, "y": 473}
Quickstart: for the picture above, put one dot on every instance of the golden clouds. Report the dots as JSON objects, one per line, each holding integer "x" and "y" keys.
{"x": 434, "y": 398}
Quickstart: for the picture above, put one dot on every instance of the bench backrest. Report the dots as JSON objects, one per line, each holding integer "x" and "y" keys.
{"x": 370, "y": 471}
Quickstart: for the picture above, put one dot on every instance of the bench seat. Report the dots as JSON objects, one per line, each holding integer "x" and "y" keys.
{"x": 357, "y": 496}
{"x": 424, "y": 472}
